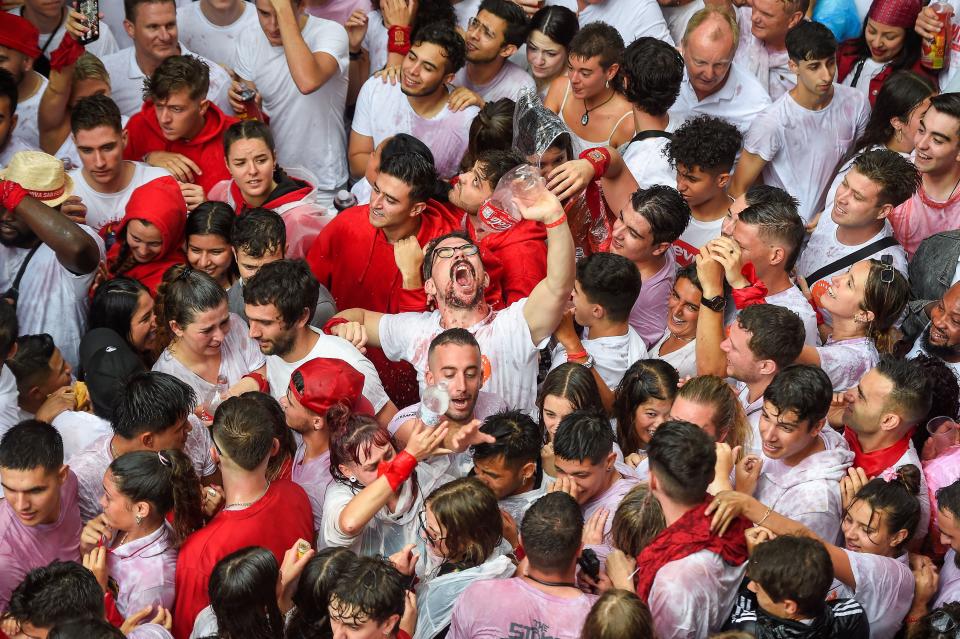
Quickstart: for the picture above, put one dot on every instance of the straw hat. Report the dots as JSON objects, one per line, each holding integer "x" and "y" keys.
{"x": 41, "y": 175}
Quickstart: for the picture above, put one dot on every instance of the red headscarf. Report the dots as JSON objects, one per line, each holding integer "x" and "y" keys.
{"x": 895, "y": 13}
{"x": 161, "y": 204}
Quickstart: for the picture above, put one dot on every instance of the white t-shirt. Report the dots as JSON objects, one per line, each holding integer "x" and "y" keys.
{"x": 684, "y": 359}
{"x": 100, "y": 47}
{"x": 949, "y": 587}
{"x": 793, "y": 299}
{"x": 509, "y": 352}
{"x": 27, "y": 131}
{"x": 632, "y": 18}
{"x": 804, "y": 148}
{"x": 9, "y": 410}
{"x": 647, "y": 162}
{"x": 126, "y": 81}
{"x": 14, "y": 146}
{"x": 104, "y": 208}
{"x": 752, "y": 409}
{"x": 508, "y": 83}
{"x": 211, "y": 40}
{"x": 465, "y": 10}
{"x": 678, "y": 17}
{"x": 694, "y": 237}
{"x": 383, "y": 111}
{"x": 375, "y": 41}
{"x": 846, "y": 361}
{"x": 884, "y": 588}
{"x": 738, "y": 101}
{"x": 78, "y": 430}
{"x": 308, "y": 129}
{"x": 52, "y": 299}
{"x": 333, "y": 347}
{"x": 612, "y": 355}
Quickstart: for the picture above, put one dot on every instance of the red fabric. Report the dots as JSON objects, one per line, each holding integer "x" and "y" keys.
{"x": 688, "y": 535}
{"x": 756, "y": 293}
{"x": 276, "y": 521}
{"x": 110, "y": 610}
{"x": 847, "y": 57}
{"x": 517, "y": 259}
{"x": 205, "y": 149}
{"x": 875, "y": 462}
{"x": 287, "y": 198}
{"x": 160, "y": 203}
{"x": 599, "y": 159}
{"x": 66, "y": 54}
{"x": 895, "y": 13}
{"x": 397, "y": 470}
{"x": 356, "y": 263}
{"x": 19, "y": 34}
{"x": 590, "y": 220}
{"x": 11, "y": 194}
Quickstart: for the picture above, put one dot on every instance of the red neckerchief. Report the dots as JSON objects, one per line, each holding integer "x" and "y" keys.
{"x": 688, "y": 535}
{"x": 756, "y": 293}
{"x": 879, "y": 460}
{"x": 241, "y": 204}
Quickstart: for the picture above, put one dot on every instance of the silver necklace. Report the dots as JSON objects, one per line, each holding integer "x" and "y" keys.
{"x": 247, "y": 504}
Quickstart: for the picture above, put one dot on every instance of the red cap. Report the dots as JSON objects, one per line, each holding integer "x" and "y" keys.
{"x": 328, "y": 382}
{"x": 895, "y": 13}
{"x": 19, "y": 34}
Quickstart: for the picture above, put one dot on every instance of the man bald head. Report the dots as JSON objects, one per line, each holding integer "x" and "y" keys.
{"x": 708, "y": 45}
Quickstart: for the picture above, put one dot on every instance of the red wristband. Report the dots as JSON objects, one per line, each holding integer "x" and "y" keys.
{"x": 334, "y": 321}
{"x": 577, "y": 355}
{"x": 11, "y": 194}
{"x": 398, "y": 470}
{"x": 66, "y": 54}
{"x": 261, "y": 381}
{"x": 599, "y": 158}
{"x": 398, "y": 39}
{"x": 557, "y": 222}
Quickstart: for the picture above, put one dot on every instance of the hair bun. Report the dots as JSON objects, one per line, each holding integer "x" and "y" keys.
{"x": 909, "y": 477}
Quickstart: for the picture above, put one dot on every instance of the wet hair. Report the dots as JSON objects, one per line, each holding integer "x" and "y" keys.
{"x": 511, "y": 13}
{"x": 30, "y": 365}
{"x": 8, "y": 90}
{"x": 560, "y": 24}
{"x": 130, "y": 7}
{"x": 183, "y": 293}
{"x": 682, "y": 457}
{"x": 598, "y": 39}
{"x": 776, "y": 333}
{"x": 886, "y": 301}
{"x": 445, "y": 36}
{"x": 258, "y": 231}
{"x": 151, "y": 402}
{"x": 95, "y": 111}
{"x": 795, "y": 568}
{"x": 242, "y": 591}
{"x": 944, "y": 394}
{"x": 243, "y": 430}
{"x": 651, "y": 72}
{"x": 910, "y": 395}
{"x": 948, "y": 104}
{"x": 897, "y": 499}
{"x": 705, "y": 143}
{"x": 584, "y": 435}
{"x": 809, "y": 41}
{"x": 638, "y": 520}
{"x": 32, "y": 444}
{"x": 114, "y": 304}
{"x": 646, "y": 379}
{"x": 56, "y": 593}
{"x": 405, "y": 143}
{"x": 89, "y": 67}
{"x": 287, "y": 284}
{"x": 610, "y": 280}
{"x": 281, "y": 432}
{"x": 804, "y": 390}
{"x": 415, "y": 171}
{"x": 167, "y": 481}
{"x": 85, "y": 629}
{"x": 310, "y": 618}
{"x": 9, "y": 329}
{"x": 494, "y": 164}
{"x": 899, "y": 97}
{"x": 211, "y": 218}
{"x": 897, "y": 177}
{"x": 948, "y": 499}
{"x": 573, "y": 382}
{"x": 350, "y": 435}
{"x": 369, "y": 589}
{"x": 664, "y": 209}
{"x": 728, "y": 412}
{"x": 469, "y": 518}
{"x": 518, "y": 439}
{"x": 176, "y": 73}
{"x": 778, "y": 223}
{"x": 458, "y": 336}
{"x": 618, "y": 614}
{"x": 248, "y": 130}
{"x": 551, "y": 532}
{"x": 430, "y": 249}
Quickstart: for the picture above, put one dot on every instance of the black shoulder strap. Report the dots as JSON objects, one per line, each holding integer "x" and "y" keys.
{"x": 23, "y": 267}
{"x": 851, "y": 259}
{"x": 650, "y": 133}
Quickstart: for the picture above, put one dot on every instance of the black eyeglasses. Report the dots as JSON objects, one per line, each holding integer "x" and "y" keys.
{"x": 449, "y": 251}
{"x": 422, "y": 518}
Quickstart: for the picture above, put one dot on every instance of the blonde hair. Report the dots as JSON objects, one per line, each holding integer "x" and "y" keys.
{"x": 89, "y": 67}
{"x": 728, "y": 413}
{"x": 723, "y": 14}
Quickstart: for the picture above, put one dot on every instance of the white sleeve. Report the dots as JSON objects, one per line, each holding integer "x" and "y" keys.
{"x": 332, "y": 40}
{"x": 198, "y": 448}
{"x": 363, "y": 114}
{"x": 763, "y": 136}
{"x": 372, "y": 385}
{"x": 334, "y": 502}
{"x": 248, "y": 351}
{"x": 400, "y": 333}
{"x": 245, "y": 61}
{"x": 219, "y": 87}
{"x": 843, "y": 364}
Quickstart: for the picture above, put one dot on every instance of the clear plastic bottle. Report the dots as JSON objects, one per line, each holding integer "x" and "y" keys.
{"x": 215, "y": 398}
{"x": 344, "y": 200}
{"x": 501, "y": 212}
{"x": 433, "y": 404}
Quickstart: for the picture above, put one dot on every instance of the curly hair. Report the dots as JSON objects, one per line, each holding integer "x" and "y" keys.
{"x": 710, "y": 144}
{"x": 651, "y": 72}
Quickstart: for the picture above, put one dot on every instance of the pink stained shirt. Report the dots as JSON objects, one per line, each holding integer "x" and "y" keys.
{"x": 144, "y": 571}
{"x": 609, "y": 499}
{"x": 496, "y": 608}
{"x": 23, "y": 548}
{"x": 648, "y": 317}
{"x": 921, "y": 216}
{"x": 314, "y": 477}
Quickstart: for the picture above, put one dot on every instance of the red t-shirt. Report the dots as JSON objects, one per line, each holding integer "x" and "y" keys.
{"x": 275, "y": 522}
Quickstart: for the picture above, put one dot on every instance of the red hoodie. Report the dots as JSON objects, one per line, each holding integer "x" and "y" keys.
{"x": 205, "y": 149}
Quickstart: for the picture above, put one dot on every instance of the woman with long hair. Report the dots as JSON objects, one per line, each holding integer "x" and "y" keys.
{"x": 137, "y": 560}
{"x": 310, "y": 618}
{"x": 567, "y": 388}
{"x": 124, "y": 305}
{"x": 548, "y": 44}
{"x": 209, "y": 233}
{"x": 641, "y": 403}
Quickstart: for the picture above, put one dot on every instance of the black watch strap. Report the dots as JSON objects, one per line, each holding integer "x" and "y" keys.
{"x": 715, "y": 304}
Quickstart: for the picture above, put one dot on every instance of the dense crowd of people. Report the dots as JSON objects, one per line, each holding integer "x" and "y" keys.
{"x": 596, "y": 319}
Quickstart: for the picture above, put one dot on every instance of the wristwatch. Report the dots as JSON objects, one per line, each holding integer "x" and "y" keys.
{"x": 715, "y": 304}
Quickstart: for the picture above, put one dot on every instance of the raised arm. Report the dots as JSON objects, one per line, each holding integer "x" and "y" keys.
{"x": 309, "y": 70}
{"x": 711, "y": 360}
{"x": 549, "y": 298}
{"x": 748, "y": 170}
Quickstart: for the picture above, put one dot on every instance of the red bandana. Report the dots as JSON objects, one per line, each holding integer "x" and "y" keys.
{"x": 879, "y": 460}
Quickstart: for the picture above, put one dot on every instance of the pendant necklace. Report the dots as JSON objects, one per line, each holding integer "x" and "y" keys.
{"x": 585, "y": 120}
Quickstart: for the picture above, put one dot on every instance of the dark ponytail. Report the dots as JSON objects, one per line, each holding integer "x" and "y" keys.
{"x": 310, "y": 618}
{"x": 897, "y": 498}
{"x": 167, "y": 481}
{"x": 182, "y": 294}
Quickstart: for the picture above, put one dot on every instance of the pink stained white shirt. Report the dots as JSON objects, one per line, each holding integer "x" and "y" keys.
{"x": 497, "y": 608}
{"x": 91, "y": 465}
{"x": 949, "y": 587}
{"x": 23, "y": 548}
{"x": 144, "y": 571}
{"x": 508, "y": 83}
{"x": 912, "y": 457}
{"x": 609, "y": 499}
{"x": 770, "y": 67}
{"x": 846, "y": 361}
{"x": 693, "y": 596}
{"x": 885, "y": 588}
{"x": 648, "y": 317}
{"x": 314, "y": 477}
{"x": 921, "y": 216}
{"x": 810, "y": 491}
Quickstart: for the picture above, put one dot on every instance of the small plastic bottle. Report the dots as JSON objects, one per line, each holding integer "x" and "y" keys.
{"x": 344, "y": 200}
{"x": 433, "y": 404}
{"x": 521, "y": 184}
{"x": 215, "y": 398}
